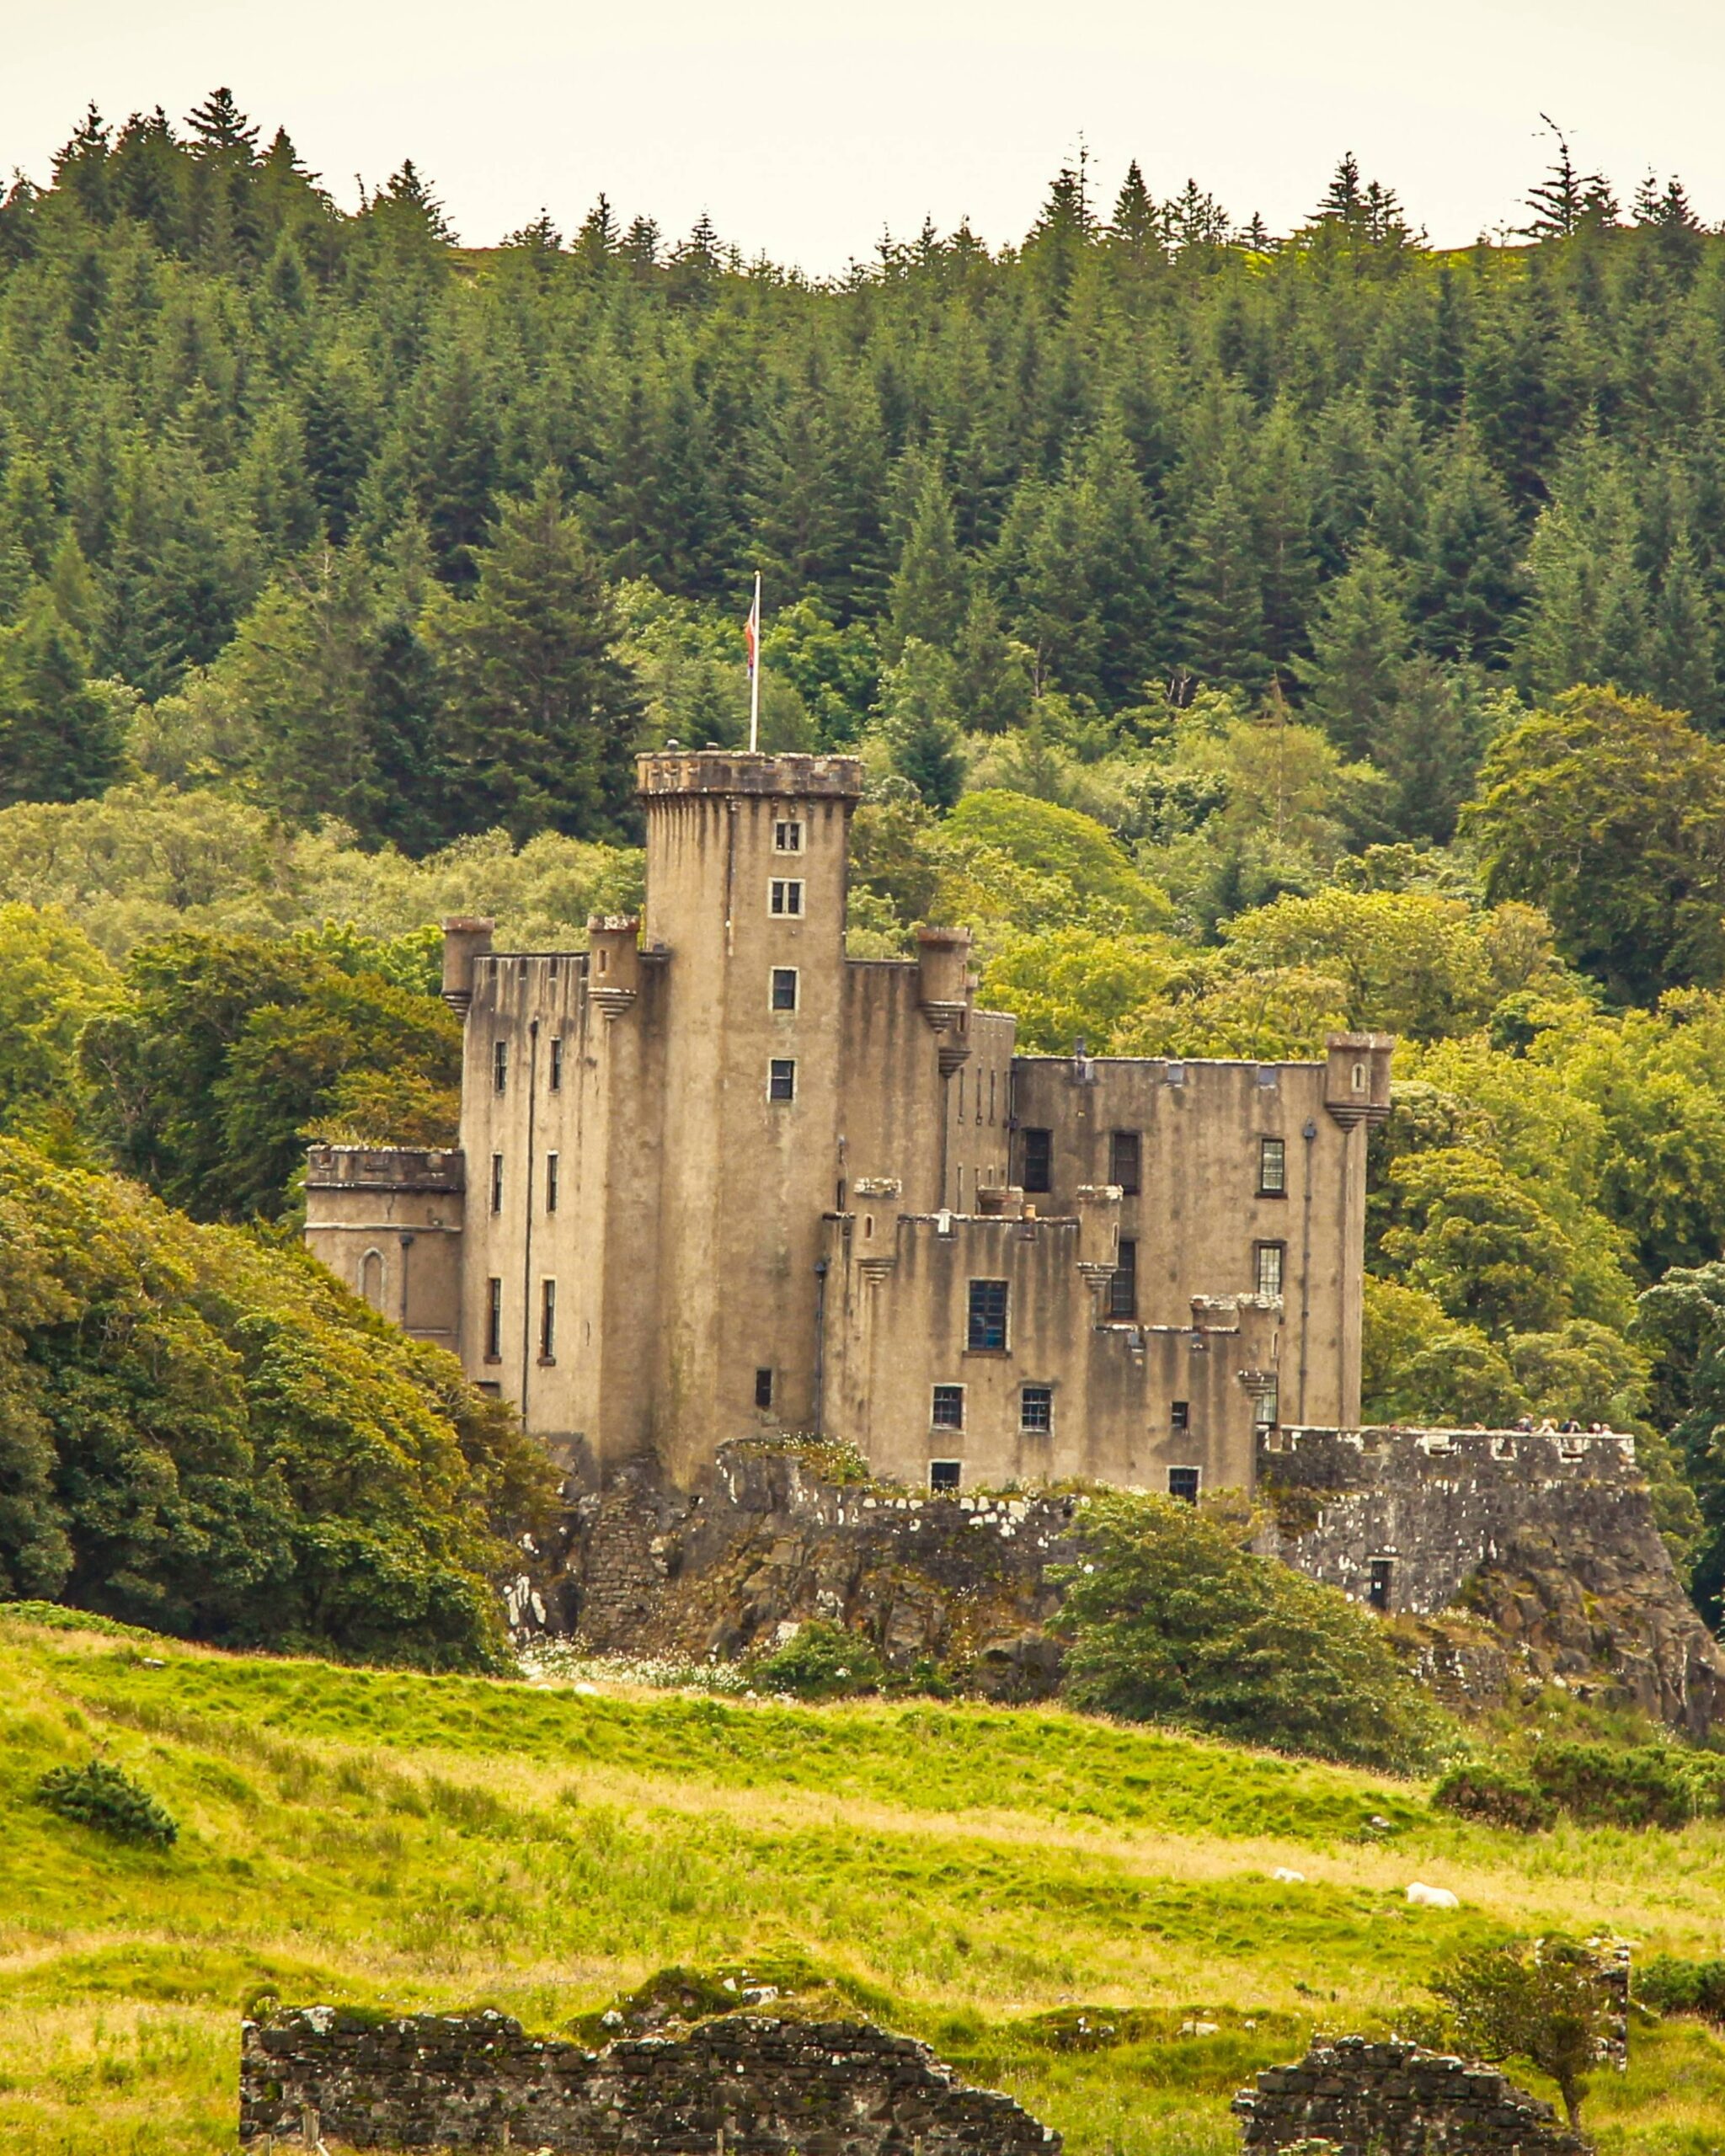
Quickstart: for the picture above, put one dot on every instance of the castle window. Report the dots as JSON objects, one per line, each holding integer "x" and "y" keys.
{"x": 763, "y": 1388}
{"x": 497, "y": 1182}
{"x": 557, "y": 1064}
{"x": 1124, "y": 1160}
{"x": 550, "y": 1181}
{"x": 1039, "y": 1159}
{"x": 787, "y": 836}
{"x": 1360, "y": 1077}
{"x": 991, "y": 1096}
{"x": 371, "y": 1278}
{"x": 548, "y": 1321}
{"x": 785, "y": 895}
{"x": 987, "y": 1329}
{"x": 1264, "y": 1409}
{"x": 945, "y": 1474}
{"x": 781, "y": 1079}
{"x": 1271, "y": 1167}
{"x": 1380, "y": 1581}
{"x": 1267, "y": 1263}
{"x": 1182, "y": 1484}
{"x": 948, "y": 1411}
{"x": 1123, "y": 1281}
{"x": 784, "y": 987}
{"x": 494, "y": 1320}
{"x": 1180, "y": 1415}
{"x": 499, "y": 1066}
{"x": 1036, "y": 1410}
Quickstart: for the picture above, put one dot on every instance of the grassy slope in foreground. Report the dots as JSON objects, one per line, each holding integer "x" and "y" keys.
{"x": 442, "y": 1841}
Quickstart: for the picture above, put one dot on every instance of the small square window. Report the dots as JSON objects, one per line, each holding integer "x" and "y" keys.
{"x": 552, "y": 1180}
{"x": 946, "y": 1412}
{"x": 1039, "y": 1159}
{"x": 1268, "y": 1266}
{"x": 988, "y": 1316}
{"x": 557, "y": 1064}
{"x": 1182, "y": 1484}
{"x": 1122, "y": 1282}
{"x": 1180, "y": 1415}
{"x": 945, "y": 1474}
{"x": 497, "y": 1182}
{"x": 787, "y": 836}
{"x": 784, "y": 987}
{"x": 785, "y": 897}
{"x": 499, "y": 1066}
{"x": 1124, "y": 1161}
{"x": 1271, "y": 1167}
{"x": 763, "y": 1388}
{"x": 781, "y": 1079}
{"x": 494, "y": 1320}
{"x": 1036, "y": 1410}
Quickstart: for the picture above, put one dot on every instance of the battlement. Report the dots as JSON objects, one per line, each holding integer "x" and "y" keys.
{"x": 1344, "y": 1459}
{"x": 736, "y": 772}
{"x": 386, "y": 1167}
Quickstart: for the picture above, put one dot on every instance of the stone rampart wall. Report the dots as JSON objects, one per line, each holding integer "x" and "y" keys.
{"x": 743, "y": 2084}
{"x": 1395, "y": 2100}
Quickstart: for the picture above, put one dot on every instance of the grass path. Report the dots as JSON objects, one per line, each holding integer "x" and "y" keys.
{"x": 962, "y": 1870}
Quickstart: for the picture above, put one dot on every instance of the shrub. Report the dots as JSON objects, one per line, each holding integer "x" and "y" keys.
{"x": 1172, "y": 1620}
{"x": 107, "y": 1798}
{"x": 820, "y": 1661}
{"x": 1497, "y": 1796}
{"x": 1544, "y": 2004}
{"x": 1670, "y": 1985}
{"x": 1599, "y": 1786}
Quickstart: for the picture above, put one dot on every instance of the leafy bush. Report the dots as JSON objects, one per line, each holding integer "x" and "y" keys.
{"x": 820, "y": 1661}
{"x": 1544, "y": 2004}
{"x": 1172, "y": 1620}
{"x": 107, "y": 1797}
{"x": 1670, "y": 1985}
{"x": 211, "y": 1438}
{"x": 1497, "y": 1796}
{"x": 1646, "y": 1786}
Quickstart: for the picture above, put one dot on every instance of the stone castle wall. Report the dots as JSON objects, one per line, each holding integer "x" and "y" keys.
{"x": 746, "y": 2085}
{"x": 1549, "y": 1537}
{"x": 1395, "y": 2100}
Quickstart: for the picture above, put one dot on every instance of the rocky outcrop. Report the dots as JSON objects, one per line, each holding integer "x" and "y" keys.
{"x": 746, "y": 2084}
{"x": 776, "y": 1539}
{"x": 1393, "y": 2099}
{"x": 1550, "y": 1539}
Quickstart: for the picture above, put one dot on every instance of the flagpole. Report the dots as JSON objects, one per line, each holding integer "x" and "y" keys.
{"x": 755, "y": 675}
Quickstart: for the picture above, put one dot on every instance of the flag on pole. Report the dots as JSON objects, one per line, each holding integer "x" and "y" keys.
{"x": 751, "y": 638}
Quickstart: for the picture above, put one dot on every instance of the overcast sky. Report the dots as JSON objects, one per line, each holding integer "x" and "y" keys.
{"x": 803, "y": 128}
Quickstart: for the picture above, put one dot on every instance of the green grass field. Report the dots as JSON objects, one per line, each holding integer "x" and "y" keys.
{"x": 962, "y": 1872}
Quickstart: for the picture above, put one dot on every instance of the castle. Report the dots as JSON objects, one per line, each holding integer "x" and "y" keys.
{"x": 715, "y": 1178}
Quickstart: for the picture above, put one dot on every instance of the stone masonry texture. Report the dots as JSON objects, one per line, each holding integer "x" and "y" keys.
{"x": 1394, "y": 2099}
{"x": 749, "y": 2085}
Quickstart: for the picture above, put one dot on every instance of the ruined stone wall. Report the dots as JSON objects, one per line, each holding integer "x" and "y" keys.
{"x": 1395, "y": 2100}
{"x": 1551, "y": 1538}
{"x": 747, "y": 2086}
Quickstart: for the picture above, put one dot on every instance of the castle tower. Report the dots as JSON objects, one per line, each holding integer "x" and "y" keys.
{"x": 746, "y": 878}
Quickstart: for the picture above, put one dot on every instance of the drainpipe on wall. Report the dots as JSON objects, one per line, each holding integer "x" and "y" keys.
{"x": 527, "y": 1238}
{"x": 820, "y": 1343}
{"x": 1309, "y": 1132}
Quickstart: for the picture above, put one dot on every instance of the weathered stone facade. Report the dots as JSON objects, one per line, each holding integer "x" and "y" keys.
{"x": 721, "y": 1180}
{"x": 744, "y": 2085}
{"x": 1393, "y": 2099}
{"x": 1551, "y": 1538}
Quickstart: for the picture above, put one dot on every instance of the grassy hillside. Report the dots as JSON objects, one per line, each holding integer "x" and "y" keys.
{"x": 963, "y": 1872}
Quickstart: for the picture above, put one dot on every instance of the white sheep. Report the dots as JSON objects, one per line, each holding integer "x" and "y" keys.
{"x": 1284, "y": 1877}
{"x": 1432, "y": 1897}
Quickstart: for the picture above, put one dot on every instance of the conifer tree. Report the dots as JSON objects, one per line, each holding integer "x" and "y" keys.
{"x": 1469, "y": 584}
{"x": 1221, "y": 593}
{"x": 538, "y": 729}
{"x": 1360, "y": 643}
{"x": 62, "y": 738}
{"x": 990, "y": 680}
{"x": 1683, "y": 649}
{"x": 917, "y": 723}
{"x": 927, "y": 594}
{"x": 1281, "y": 520}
